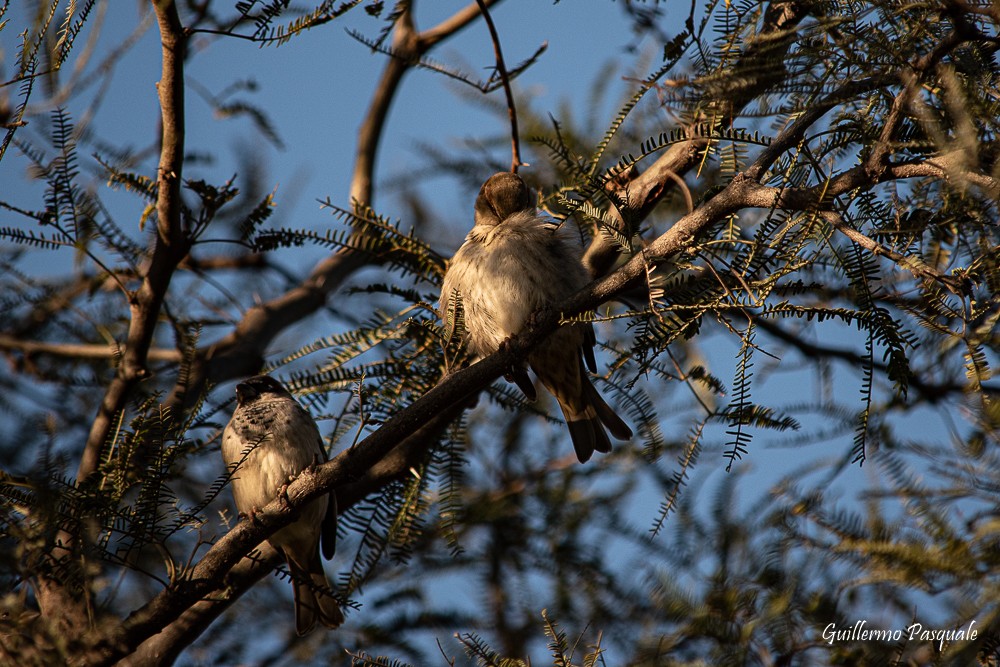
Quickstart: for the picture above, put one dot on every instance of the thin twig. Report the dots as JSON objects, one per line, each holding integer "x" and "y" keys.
{"x": 515, "y": 147}
{"x": 80, "y": 351}
{"x": 911, "y": 263}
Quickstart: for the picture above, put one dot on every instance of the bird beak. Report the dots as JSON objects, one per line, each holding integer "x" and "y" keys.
{"x": 244, "y": 393}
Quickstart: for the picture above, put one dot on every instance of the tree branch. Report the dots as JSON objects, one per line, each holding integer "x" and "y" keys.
{"x": 819, "y": 198}
{"x": 54, "y": 596}
{"x": 913, "y": 264}
{"x": 643, "y": 191}
{"x": 79, "y": 351}
{"x": 515, "y": 146}
{"x": 793, "y": 134}
{"x": 170, "y": 246}
{"x": 932, "y": 392}
{"x": 409, "y": 45}
{"x": 163, "y": 648}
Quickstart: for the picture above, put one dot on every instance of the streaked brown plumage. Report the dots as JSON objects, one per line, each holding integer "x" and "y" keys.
{"x": 513, "y": 263}
{"x": 279, "y": 439}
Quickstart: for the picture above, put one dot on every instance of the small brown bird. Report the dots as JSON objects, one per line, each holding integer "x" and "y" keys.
{"x": 513, "y": 263}
{"x": 271, "y": 439}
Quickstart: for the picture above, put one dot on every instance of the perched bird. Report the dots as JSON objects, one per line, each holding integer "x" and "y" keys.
{"x": 513, "y": 263}
{"x": 270, "y": 440}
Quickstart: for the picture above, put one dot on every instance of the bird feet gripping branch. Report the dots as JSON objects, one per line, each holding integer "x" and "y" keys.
{"x": 250, "y": 515}
{"x": 518, "y": 373}
{"x": 283, "y": 489}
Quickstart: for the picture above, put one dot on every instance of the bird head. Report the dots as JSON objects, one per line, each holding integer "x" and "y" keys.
{"x": 501, "y": 196}
{"x": 257, "y": 386}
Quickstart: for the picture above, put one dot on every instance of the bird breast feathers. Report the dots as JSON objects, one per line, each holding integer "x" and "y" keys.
{"x": 269, "y": 427}
{"x": 505, "y": 272}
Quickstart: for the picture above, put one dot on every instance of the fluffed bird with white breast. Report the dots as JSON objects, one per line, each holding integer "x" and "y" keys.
{"x": 513, "y": 263}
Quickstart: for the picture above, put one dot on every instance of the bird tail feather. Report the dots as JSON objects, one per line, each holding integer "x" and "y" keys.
{"x": 313, "y": 598}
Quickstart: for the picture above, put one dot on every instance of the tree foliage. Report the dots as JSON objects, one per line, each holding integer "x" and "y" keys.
{"x": 791, "y": 222}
